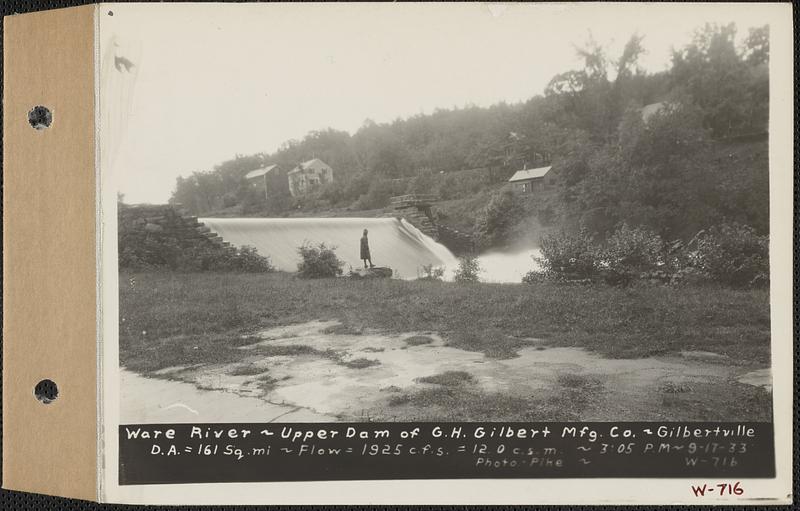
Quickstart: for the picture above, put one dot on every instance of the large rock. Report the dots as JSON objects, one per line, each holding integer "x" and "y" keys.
{"x": 378, "y": 272}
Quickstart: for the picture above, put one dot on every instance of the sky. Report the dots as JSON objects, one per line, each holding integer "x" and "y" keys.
{"x": 210, "y": 81}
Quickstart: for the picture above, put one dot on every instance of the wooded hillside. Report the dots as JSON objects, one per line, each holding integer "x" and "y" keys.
{"x": 698, "y": 160}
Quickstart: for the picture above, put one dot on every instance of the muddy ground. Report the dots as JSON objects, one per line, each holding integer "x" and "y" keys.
{"x": 320, "y": 372}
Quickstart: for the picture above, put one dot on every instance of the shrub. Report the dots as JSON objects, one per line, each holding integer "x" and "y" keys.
{"x": 153, "y": 252}
{"x": 633, "y": 253}
{"x": 733, "y": 254}
{"x": 568, "y": 256}
{"x": 468, "y": 269}
{"x": 244, "y": 259}
{"x": 247, "y": 259}
{"x": 148, "y": 252}
{"x": 431, "y": 272}
{"x": 318, "y": 261}
{"x": 534, "y": 277}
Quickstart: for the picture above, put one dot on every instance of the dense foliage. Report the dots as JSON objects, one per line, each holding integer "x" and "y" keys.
{"x": 733, "y": 254}
{"x": 729, "y": 254}
{"x": 633, "y": 253}
{"x": 568, "y": 255}
{"x": 318, "y": 261}
{"x": 155, "y": 252}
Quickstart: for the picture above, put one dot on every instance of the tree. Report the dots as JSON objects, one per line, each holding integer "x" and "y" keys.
{"x": 756, "y": 46}
{"x": 468, "y": 270}
{"x": 724, "y": 82}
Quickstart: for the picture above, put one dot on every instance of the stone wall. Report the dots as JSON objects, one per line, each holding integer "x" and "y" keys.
{"x": 166, "y": 221}
{"x": 416, "y": 209}
{"x": 458, "y": 242}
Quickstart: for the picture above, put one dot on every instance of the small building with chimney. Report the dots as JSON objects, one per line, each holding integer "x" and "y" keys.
{"x": 531, "y": 180}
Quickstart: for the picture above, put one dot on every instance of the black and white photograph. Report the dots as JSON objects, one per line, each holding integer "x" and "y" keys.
{"x": 413, "y": 223}
{"x": 494, "y": 213}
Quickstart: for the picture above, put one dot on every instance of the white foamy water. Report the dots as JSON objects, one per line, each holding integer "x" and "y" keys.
{"x": 393, "y": 243}
{"x": 507, "y": 267}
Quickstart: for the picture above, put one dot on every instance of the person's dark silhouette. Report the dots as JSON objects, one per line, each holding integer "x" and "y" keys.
{"x": 365, "y": 256}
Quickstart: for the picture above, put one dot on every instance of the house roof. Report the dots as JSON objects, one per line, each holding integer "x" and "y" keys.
{"x": 314, "y": 164}
{"x": 259, "y": 172}
{"x": 522, "y": 175}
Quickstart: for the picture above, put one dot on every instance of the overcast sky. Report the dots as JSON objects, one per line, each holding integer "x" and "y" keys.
{"x": 216, "y": 80}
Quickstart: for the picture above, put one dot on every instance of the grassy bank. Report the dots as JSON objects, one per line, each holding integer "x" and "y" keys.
{"x": 170, "y": 319}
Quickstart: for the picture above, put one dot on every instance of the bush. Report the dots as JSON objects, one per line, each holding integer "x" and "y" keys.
{"x": 155, "y": 251}
{"x": 431, "y": 272}
{"x": 247, "y": 259}
{"x": 318, "y": 261}
{"x": 210, "y": 258}
{"x": 568, "y": 256}
{"x": 468, "y": 269}
{"x": 631, "y": 254}
{"x": 534, "y": 277}
{"x": 730, "y": 254}
{"x": 148, "y": 252}
{"x": 733, "y": 254}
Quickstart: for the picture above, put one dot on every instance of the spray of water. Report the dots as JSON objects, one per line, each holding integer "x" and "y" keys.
{"x": 507, "y": 266}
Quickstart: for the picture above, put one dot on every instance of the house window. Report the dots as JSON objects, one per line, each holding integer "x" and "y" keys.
{"x": 525, "y": 187}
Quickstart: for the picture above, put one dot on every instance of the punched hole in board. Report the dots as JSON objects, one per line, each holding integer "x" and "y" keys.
{"x": 40, "y": 117}
{"x": 46, "y": 391}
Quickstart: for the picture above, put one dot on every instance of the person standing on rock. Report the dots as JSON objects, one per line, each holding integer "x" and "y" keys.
{"x": 365, "y": 251}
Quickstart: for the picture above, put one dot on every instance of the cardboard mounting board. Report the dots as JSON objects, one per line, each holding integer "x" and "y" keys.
{"x": 49, "y": 270}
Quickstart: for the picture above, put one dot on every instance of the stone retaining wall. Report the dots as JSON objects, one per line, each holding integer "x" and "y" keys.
{"x": 167, "y": 221}
{"x": 416, "y": 209}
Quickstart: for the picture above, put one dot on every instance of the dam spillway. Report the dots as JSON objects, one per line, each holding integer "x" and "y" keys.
{"x": 393, "y": 242}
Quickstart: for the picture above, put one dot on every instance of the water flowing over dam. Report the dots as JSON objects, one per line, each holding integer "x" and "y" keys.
{"x": 393, "y": 242}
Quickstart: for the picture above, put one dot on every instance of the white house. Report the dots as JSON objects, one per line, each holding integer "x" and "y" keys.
{"x": 309, "y": 175}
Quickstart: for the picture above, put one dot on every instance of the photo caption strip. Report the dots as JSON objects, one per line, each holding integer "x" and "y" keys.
{"x": 251, "y": 452}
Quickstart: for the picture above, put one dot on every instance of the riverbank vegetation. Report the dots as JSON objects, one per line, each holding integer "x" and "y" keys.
{"x": 729, "y": 254}
{"x": 159, "y": 252}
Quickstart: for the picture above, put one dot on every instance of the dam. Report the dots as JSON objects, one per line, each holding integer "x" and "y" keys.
{"x": 393, "y": 242}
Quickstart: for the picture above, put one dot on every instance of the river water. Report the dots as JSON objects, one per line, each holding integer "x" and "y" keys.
{"x": 394, "y": 243}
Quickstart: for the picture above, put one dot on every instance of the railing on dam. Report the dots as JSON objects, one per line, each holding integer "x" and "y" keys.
{"x": 414, "y": 200}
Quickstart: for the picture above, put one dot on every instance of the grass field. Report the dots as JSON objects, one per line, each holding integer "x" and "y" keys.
{"x": 169, "y": 320}
{"x": 492, "y": 318}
